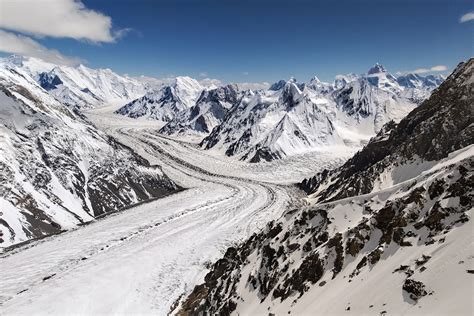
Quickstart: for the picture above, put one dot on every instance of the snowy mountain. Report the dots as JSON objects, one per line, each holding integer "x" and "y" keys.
{"x": 370, "y": 106}
{"x": 379, "y": 77}
{"x": 165, "y": 103}
{"x": 417, "y": 81}
{"x": 272, "y": 124}
{"x": 58, "y": 170}
{"x": 291, "y": 118}
{"x": 389, "y": 232}
{"x": 208, "y": 112}
{"x": 79, "y": 86}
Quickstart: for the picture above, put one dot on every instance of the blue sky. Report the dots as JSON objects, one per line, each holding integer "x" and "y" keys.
{"x": 254, "y": 41}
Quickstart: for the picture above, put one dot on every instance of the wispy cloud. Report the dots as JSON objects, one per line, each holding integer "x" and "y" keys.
{"x": 467, "y": 17}
{"x": 203, "y": 74}
{"x": 245, "y": 73}
{"x": 24, "y": 45}
{"x": 439, "y": 68}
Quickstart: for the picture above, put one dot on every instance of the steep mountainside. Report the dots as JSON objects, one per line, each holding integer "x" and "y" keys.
{"x": 165, "y": 103}
{"x": 292, "y": 118}
{"x": 208, "y": 112}
{"x": 57, "y": 170}
{"x": 388, "y": 232}
{"x": 450, "y": 114}
{"x": 272, "y": 124}
{"x": 79, "y": 86}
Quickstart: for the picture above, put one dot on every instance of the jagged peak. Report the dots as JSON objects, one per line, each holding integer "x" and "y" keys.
{"x": 314, "y": 80}
{"x": 15, "y": 59}
{"x": 278, "y": 85}
{"x": 186, "y": 82}
{"x": 377, "y": 68}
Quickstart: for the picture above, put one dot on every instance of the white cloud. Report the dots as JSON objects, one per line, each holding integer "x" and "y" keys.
{"x": 23, "y": 45}
{"x": 203, "y": 74}
{"x": 467, "y": 17}
{"x": 153, "y": 82}
{"x": 57, "y": 18}
{"x": 438, "y": 68}
{"x": 245, "y": 73}
{"x": 253, "y": 85}
{"x": 210, "y": 83}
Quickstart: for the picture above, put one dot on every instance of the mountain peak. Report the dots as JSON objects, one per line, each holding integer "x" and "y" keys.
{"x": 16, "y": 59}
{"x": 186, "y": 81}
{"x": 377, "y": 68}
{"x": 315, "y": 79}
{"x": 278, "y": 85}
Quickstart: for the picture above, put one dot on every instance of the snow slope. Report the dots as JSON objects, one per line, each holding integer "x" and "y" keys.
{"x": 291, "y": 118}
{"x": 165, "y": 103}
{"x": 57, "y": 169}
{"x": 79, "y": 86}
{"x": 388, "y": 232}
{"x": 142, "y": 259}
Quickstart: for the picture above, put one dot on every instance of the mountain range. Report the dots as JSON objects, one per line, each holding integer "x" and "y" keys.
{"x": 390, "y": 231}
{"x": 287, "y": 119}
{"x": 79, "y": 86}
{"x": 57, "y": 170}
{"x": 292, "y": 118}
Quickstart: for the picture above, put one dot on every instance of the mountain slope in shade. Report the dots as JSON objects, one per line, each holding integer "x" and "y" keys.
{"x": 388, "y": 232}
{"x": 165, "y": 103}
{"x": 79, "y": 86}
{"x": 209, "y": 111}
{"x": 57, "y": 170}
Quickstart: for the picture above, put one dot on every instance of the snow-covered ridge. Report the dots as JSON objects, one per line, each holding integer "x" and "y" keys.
{"x": 292, "y": 118}
{"x": 208, "y": 112}
{"x": 165, "y": 103}
{"x": 79, "y": 86}
{"x": 57, "y": 170}
{"x": 356, "y": 106}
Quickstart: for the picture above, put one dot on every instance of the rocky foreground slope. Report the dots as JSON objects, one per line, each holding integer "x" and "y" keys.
{"x": 56, "y": 169}
{"x": 388, "y": 232}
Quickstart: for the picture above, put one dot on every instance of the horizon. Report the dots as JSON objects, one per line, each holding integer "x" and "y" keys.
{"x": 244, "y": 42}
{"x": 206, "y": 82}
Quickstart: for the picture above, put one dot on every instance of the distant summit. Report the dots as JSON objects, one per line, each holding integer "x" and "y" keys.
{"x": 377, "y": 68}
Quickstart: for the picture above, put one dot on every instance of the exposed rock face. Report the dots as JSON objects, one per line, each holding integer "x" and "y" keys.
{"x": 345, "y": 245}
{"x": 208, "y": 112}
{"x": 57, "y": 170}
{"x": 416, "y": 289}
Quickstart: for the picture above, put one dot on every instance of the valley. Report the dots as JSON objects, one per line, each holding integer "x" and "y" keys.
{"x": 185, "y": 198}
{"x": 148, "y": 256}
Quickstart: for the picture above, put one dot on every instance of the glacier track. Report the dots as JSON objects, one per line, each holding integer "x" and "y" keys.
{"x": 144, "y": 259}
